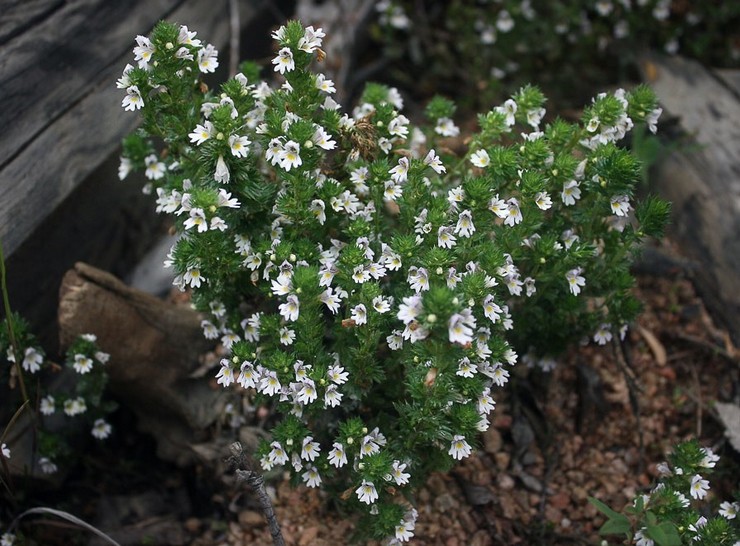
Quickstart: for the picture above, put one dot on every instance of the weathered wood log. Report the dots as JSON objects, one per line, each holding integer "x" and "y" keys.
{"x": 704, "y": 182}
{"x": 155, "y": 348}
{"x": 58, "y": 67}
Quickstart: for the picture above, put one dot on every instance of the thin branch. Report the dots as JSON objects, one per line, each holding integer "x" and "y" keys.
{"x": 623, "y": 361}
{"x": 256, "y": 482}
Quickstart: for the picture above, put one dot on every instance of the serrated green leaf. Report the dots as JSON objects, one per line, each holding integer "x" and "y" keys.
{"x": 616, "y": 526}
{"x": 604, "y": 509}
{"x": 664, "y": 534}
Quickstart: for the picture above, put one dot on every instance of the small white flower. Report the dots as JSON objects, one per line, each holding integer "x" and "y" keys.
{"x": 222, "y": 174}
{"x": 337, "y": 456}
{"x": 32, "y": 360}
{"x": 201, "y": 133}
{"x": 543, "y": 200}
{"x": 5, "y": 450}
{"x": 101, "y": 429}
{"x": 133, "y": 100}
{"x": 446, "y": 127}
{"x": 82, "y": 364}
{"x": 603, "y": 334}
{"x": 459, "y": 448}
{"x": 7, "y": 539}
{"x": 575, "y": 280}
{"x": 367, "y": 492}
{"x": 310, "y": 449}
{"x": 239, "y": 145}
{"x": 207, "y": 59}
{"x": 480, "y": 159}
{"x": 284, "y": 61}
{"x": 225, "y": 375}
{"x": 729, "y": 510}
{"x": 311, "y": 477}
{"x": 47, "y": 405}
{"x": 47, "y": 465}
{"x": 699, "y": 487}
{"x": 620, "y": 205}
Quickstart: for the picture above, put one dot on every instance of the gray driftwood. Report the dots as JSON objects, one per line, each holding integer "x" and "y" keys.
{"x": 704, "y": 182}
{"x": 59, "y": 61}
{"x": 155, "y": 348}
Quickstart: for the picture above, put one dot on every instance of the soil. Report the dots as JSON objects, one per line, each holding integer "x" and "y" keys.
{"x": 594, "y": 427}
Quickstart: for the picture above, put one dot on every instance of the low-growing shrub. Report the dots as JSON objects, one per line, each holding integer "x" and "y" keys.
{"x": 372, "y": 281}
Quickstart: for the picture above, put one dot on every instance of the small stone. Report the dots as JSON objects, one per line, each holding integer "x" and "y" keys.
{"x": 505, "y": 482}
{"x": 492, "y": 441}
{"x": 452, "y": 541}
{"x": 308, "y": 536}
{"x": 445, "y": 502}
{"x": 250, "y": 518}
{"x": 560, "y": 500}
{"x": 481, "y": 538}
{"x": 502, "y": 460}
{"x": 193, "y": 525}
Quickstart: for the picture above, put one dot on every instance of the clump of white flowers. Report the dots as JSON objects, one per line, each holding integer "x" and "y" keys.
{"x": 85, "y": 361}
{"x": 670, "y": 513}
{"x": 366, "y": 281}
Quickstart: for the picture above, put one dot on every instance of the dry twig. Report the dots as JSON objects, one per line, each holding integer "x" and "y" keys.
{"x": 244, "y": 472}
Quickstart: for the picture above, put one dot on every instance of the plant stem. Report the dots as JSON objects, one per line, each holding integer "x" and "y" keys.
{"x": 255, "y": 480}
{"x": 11, "y": 332}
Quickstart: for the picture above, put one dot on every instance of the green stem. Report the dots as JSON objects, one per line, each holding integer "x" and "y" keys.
{"x": 11, "y": 332}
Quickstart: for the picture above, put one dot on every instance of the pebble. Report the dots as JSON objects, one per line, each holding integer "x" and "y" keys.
{"x": 481, "y": 538}
{"x": 505, "y": 482}
{"x": 560, "y": 500}
{"x": 308, "y": 536}
{"x": 446, "y": 502}
{"x": 193, "y": 525}
{"x": 492, "y": 441}
{"x": 502, "y": 459}
{"x": 250, "y": 518}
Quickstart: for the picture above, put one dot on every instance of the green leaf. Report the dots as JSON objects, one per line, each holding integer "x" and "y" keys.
{"x": 604, "y": 509}
{"x": 664, "y": 534}
{"x": 616, "y": 526}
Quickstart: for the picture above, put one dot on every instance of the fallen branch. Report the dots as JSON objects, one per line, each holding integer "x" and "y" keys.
{"x": 256, "y": 482}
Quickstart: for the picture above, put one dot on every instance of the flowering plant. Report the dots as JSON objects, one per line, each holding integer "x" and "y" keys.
{"x": 667, "y": 516}
{"x": 83, "y": 396}
{"x": 364, "y": 278}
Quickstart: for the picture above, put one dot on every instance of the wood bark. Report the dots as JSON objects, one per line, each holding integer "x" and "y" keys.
{"x": 58, "y": 68}
{"x": 703, "y": 182}
{"x": 155, "y": 348}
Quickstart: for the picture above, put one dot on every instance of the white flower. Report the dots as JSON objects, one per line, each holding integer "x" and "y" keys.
{"x": 155, "y": 169}
{"x": 82, "y": 364}
{"x": 322, "y": 84}
{"x": 332, "y": 396}
{"x": 133, "y": 100}
{"x": 433, "y": 161}
{"x": 291, "y": 308}
{"x": 337, "y": 456}
{"x": 461, "y": 327}
{"x": 47, "y": 405}
{"x": 277, "y": 455}
{"x": 465, "y": 368}
{"x": 641, "y": 539}
{"x": 32, "y": 360}
{"x": 504, "y": 22}
{"x": 337, "y": 374}
{"x": 509, "y": 111}
{"x": 101, "y": 429}
{"x": 225, "y": 375}
{"x": 603, "y": 334}
{"x": 620, "y": 205}
{"x": 284, "y": 61}
{"x": 239, "y": 145}
{"x": 446, "y": 127}
{"x": 307, "y": 393}
{"x": 465, "y": 227}
{"x": 207, "y": 59}
{"x": 498, "y": 207}
{"x": 445, "y": 238}
{"x": 143, "y": 51}
{"x": 399, "y": 173}
{"x": 514, "y": 214}
{"x": 397, "y": 474}
{"x": 269, "y": 383}
{"x": 459, "y": 448}
{"x": 222, "y": 175}
{"x": 193, "y": 277}
{"x": 7, "y": 539}
{"x": 381, "y": 304}
{"x": 575, "y": 280}
{"x": 710, "y": 458}
{"x": 311, "y": 477}
{"x": 201, "y": 133}
{"x": 367, "y": 492}
{"x": 311, "y": 39}
{"x": 322, "y": 139}
{"x": 480, "y": 159}
{"x": 5, "y": 450}
{"x": 729, "y": 510}
{"x": 310, "y": 449}
{"x": 75, "y": 406}
{"x": 652, "y": 119}
{"x": 699, "y": 487}
{"x": 571, "y": 192}
{"x": 543, "y": 200}
{"x": 289, "y": 155}
{"x": 485, "y": 403}
{"x": 331, "y": 299}
{"x": 47, "y": 465}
